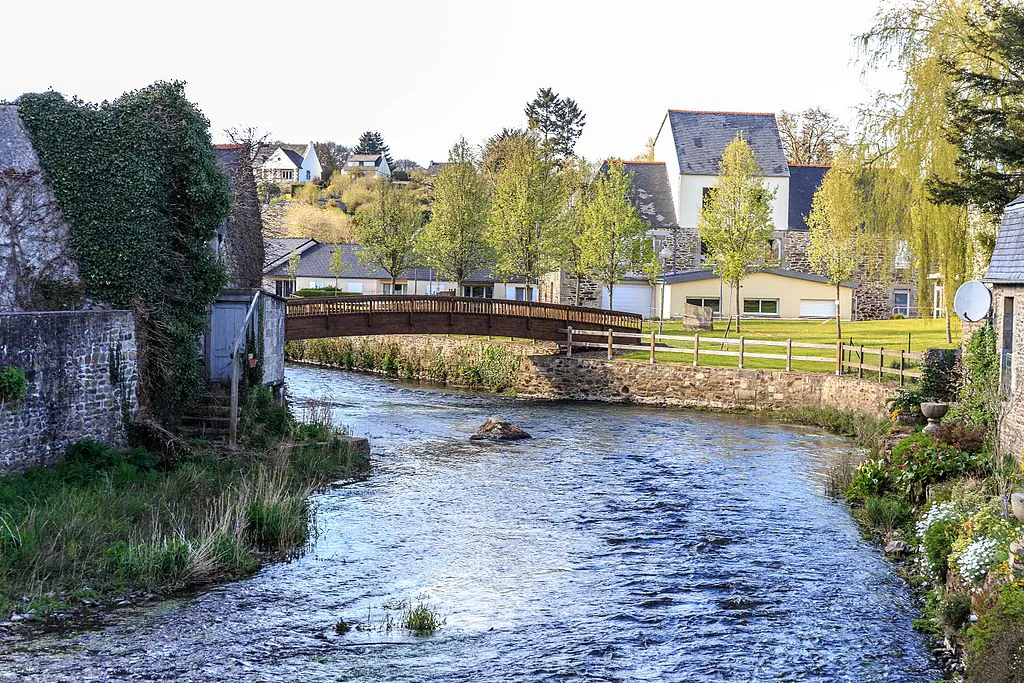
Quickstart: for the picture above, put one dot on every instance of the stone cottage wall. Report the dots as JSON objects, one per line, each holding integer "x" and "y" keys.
{"x": 82, "y": 376}
{"x": 1011, "y": 425}
{"x": 594, "y": 379}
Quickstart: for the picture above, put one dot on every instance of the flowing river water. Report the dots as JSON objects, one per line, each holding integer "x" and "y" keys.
{"x": 619, "y": 544}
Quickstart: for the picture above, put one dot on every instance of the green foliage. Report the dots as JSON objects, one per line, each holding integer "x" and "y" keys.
{"x": 614, "y": 238}
{"x": 559, "y": 122}
{"x": 323, "y": 291}
{"x": 525, "y": 207}
{"x": 905, "y": 401}
{"x": 939, "y": 379}
{"x": 979, "y": 399}
{"x": 996, "y": 647}
{"x": 277, "y": 525}
{"x": 938, "y": 544}
{"x": 138, "y": 181}
{"x": 872, "y": 478}
{"x": 955, "y": 610}
{"x": 13, "y": 384}
{"x": 262, "y": 422}
{"x": 372, "y": 142}
{"x": 736, "y": 225}
{"x": 387, "y": 229}
{"x": 887, "y": 513}
{"x": 919, "y": 461}
{"x": 454, "y": 240}
{"x": 421, "y": 619}
{"x": 89, "y": 459}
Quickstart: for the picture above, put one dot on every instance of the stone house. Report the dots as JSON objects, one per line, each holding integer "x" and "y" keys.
{"x": 1006, "y": 276}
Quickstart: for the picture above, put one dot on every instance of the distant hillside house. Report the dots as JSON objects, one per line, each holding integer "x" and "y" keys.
{"x": 435, "y": 167}
{"x": 365, "y": 163}
{"x": 314, "y": 272}
{"x": 286, "y": 163}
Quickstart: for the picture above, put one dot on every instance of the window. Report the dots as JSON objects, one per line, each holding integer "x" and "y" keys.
{"x": 713, "y": 304}
{"x": 286, "y": 175}
{"x": 775, "y": 250}
{"x": 1006, "y": 372}
{"x": 524, "y": 294}
{"x": 761, "y": 306}
{"x": 317, "y": 284}
{"x": 354, "y": 287}
{"x": 284, "y": 287}
{"x": 703, "y": 253}
{"x": 902, "y": 255}
{"x": 400, "y": 288}
{"x": 478, "y": 291}
{"x": 901, "y": 303}
{"x": 307, "y": 175}
{"x": 706, "y": 195}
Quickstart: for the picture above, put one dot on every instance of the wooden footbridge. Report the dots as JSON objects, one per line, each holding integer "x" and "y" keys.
{"x": 345, "y": 316}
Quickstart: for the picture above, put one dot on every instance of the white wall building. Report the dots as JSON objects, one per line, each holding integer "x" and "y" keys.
{"x": 288, "y": 164}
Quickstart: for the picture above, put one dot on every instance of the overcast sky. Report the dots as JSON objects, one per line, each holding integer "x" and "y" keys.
{"x": 423, "y": 72}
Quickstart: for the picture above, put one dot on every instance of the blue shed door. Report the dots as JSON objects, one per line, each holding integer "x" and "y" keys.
{"x": 225, "y": 320}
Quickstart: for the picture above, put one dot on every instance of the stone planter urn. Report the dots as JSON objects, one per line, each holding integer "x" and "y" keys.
{"x": 934, "y": 412}
{"x": 1017, "y": 505}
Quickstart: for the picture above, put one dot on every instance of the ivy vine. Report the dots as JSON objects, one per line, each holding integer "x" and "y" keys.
{"x": 138, "y": 180}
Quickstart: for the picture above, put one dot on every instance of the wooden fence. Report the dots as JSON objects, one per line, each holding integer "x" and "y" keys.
{"x": 844, "y": 358}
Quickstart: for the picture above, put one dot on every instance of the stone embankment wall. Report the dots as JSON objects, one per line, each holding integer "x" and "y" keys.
{"x": 592, "y": 379}
{"x": 82, "y": 376}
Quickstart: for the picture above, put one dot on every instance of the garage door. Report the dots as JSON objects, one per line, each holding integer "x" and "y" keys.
{"x": 630, "y": 298}
{"x": 817, "y": 308}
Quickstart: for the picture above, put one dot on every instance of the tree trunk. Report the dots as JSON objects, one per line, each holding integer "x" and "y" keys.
{"x": 611, "y": 291}
{"x": 576, "y": 296}
{"x": 949, "y": 332}
{"x": 737, "y": 286}
{"x": 393, "y": 278}
{"x": 839, "y": 324}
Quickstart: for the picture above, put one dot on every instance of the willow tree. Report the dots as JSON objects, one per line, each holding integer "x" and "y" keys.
{"x": 614, "y": 235}
{"x": 904, "y": 138}
{"x": 527, "y": 198}
{"x": 837, "y": 223}
{"x": 454, "y": 239}
{"x": 736, "y": 224}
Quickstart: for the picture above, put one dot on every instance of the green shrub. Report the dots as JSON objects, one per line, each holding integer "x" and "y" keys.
{"x": 955, "y": 610}
{"x": 919, "y": 461}
{"x": 13, "y": 384}
{"x": 871, "y": 479}
{"x": 978, "y": 399}
{"x": 886, "y": 513}
{"x": 938, "y": 544}
{"x": 939, "y": 379}
{"x": 996, "y": 641}
{"x": 88, "y": 459}
{"x": 276, "y": 526}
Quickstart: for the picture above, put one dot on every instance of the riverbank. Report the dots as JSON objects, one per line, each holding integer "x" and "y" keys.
{"x": 110, "y": 526}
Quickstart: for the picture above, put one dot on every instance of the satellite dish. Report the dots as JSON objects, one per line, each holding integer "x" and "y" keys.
{"x": 973, "y": 301}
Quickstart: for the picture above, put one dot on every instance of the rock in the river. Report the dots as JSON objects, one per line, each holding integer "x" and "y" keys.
{"x": 499, "y": 430}
{"x": 896, "y": 547}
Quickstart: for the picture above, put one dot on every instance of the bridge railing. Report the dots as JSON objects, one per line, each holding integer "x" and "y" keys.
{"x": 390, "y": 303}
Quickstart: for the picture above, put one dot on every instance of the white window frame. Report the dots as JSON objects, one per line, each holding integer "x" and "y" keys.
{"x": 760, "y": 305}
{"x": 354, "y": 287}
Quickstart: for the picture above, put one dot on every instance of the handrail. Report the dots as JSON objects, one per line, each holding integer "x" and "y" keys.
{"x": 391, "y": 303}
{"x": 235, "y": 343}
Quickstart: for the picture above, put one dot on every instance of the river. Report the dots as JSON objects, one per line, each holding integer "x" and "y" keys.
{"x": 619, "y": 544}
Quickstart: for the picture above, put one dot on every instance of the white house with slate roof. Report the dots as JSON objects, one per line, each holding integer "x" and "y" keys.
{"x": 288, "y": 164}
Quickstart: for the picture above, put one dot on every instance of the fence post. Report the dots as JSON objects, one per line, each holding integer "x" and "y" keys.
{"x": 839, "y": 357}
{"x": 568, "y": 342}
{"x": 860, "y": 358}
{"x": 696, "y": 348}
{"x": 652, "y": 345}
{"x": 611, "y": 341}
{"x": 901, "y": 367}
{"x": 881, "y": 361}
{"x": 233, "y": 423}
{"x": 789, "y": 354}
{"x": 742, "y": 348}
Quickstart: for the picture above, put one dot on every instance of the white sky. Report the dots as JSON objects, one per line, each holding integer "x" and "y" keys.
{"x": 423, "y": 72}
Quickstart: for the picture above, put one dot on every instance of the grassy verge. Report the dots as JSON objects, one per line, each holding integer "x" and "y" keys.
{"x": 458, "y": 362}
{"x": 108, "y": 522}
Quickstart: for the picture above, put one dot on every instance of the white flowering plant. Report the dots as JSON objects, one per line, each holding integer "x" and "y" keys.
{"x": 978, "y": 558}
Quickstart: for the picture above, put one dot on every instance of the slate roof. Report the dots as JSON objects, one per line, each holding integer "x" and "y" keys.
{"x": 804, "y": 181}
{"x": 315, "y": 262}
{"x": 434, "y": 169}
{"x": 364, "y": 157}
{"x": 1007, "y": 264}
{"x": 266, "y": 151}
{"x": 701, "y": 137}
{"x": 277, "y": 248}
{"x": 696, "y": 275}
{"x": 229, "y": 157}
{"x": 652, "y": 194}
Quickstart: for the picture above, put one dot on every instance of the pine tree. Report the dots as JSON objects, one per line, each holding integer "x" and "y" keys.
{"x": 558, "y": 121}
{"x": 372, "y": 142}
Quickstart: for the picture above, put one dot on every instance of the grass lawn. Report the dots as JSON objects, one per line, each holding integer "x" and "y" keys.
{"x": 908, "y": 334}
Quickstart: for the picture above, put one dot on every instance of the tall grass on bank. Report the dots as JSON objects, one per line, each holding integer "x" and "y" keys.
{"x": 477, "y": 364}
{"x": 108, "y": 521}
